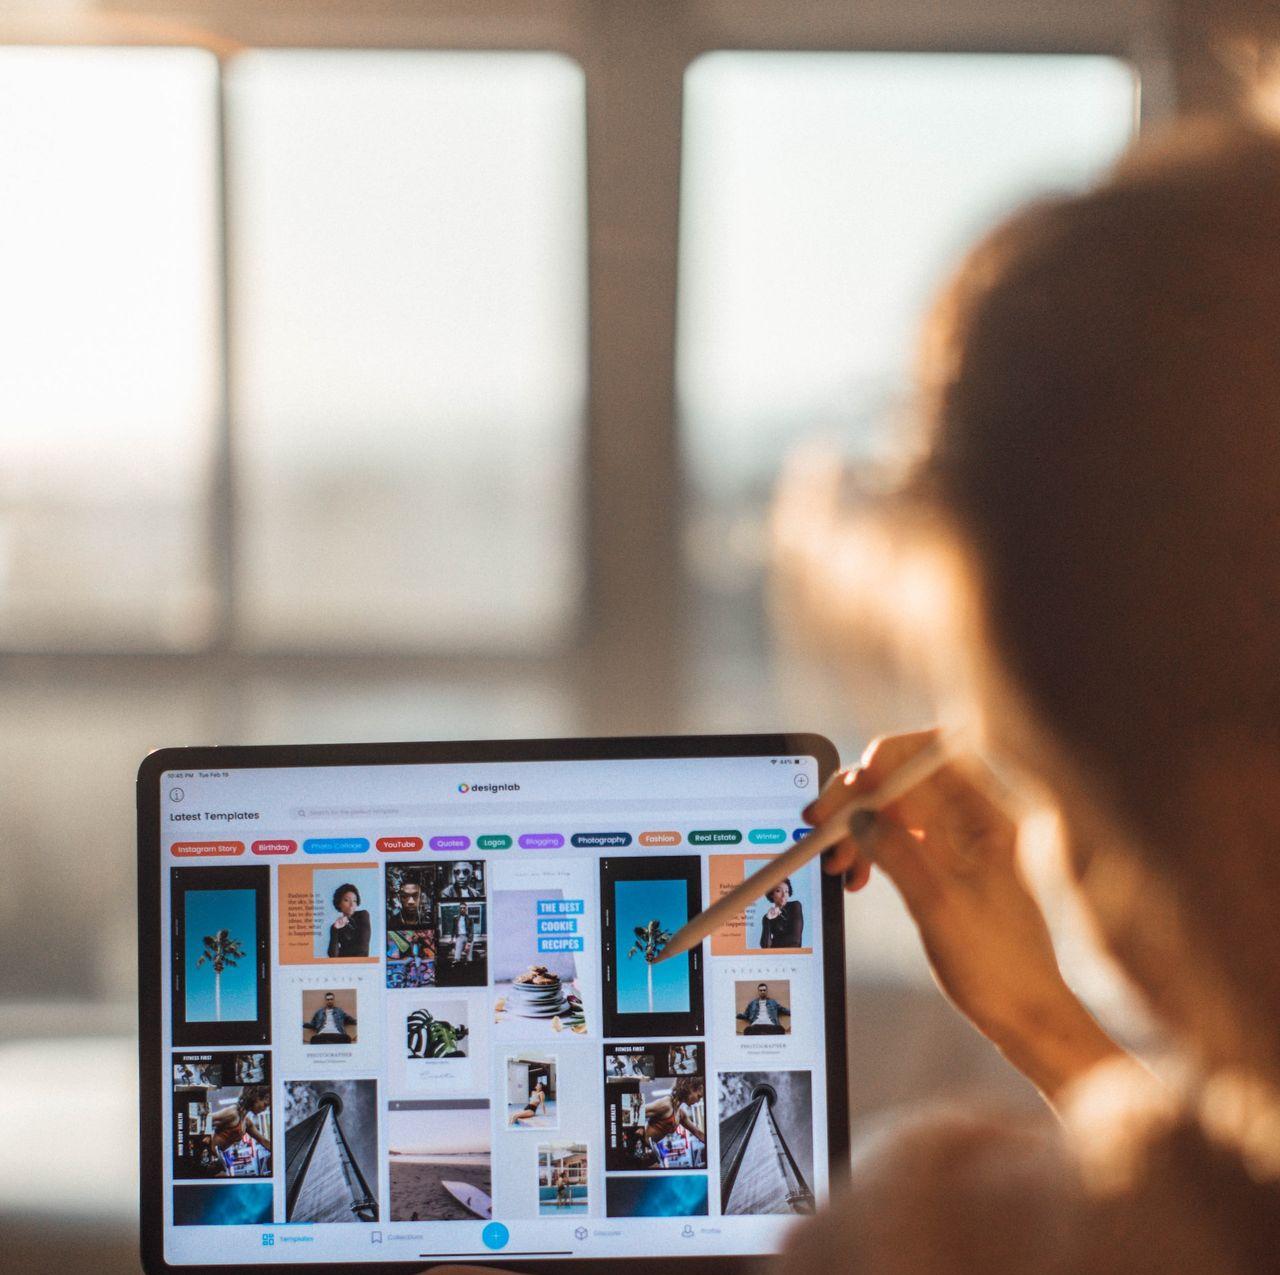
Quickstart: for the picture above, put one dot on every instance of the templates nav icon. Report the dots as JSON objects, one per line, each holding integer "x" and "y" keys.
{"x": 580, "y": 1232}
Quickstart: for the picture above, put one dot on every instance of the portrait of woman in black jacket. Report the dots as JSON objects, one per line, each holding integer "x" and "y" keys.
{"x": 349, "y": 934}
{"x": 783, "y": 924}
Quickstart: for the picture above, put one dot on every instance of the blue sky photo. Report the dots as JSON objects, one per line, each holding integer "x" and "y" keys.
{"x": 209, "y": 911}
{"x": 637, "y": 903}
{"x": 241, "y": 1205}
{"x": 684, "y": 1195}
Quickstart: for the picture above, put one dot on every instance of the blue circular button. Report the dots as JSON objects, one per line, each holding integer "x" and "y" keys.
{"x": 495, "y": 1235}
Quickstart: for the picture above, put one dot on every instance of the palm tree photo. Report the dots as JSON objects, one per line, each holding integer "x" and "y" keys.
{"x": 222, "y": 951}
{"x": 650, "y": 940}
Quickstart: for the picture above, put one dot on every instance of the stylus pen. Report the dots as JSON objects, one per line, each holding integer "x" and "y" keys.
{"x": 896, "y": 785}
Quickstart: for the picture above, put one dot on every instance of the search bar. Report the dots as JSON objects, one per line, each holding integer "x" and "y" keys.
{"x": 487, "y": 811}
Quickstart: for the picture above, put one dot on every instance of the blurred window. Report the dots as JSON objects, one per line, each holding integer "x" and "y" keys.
{"x": 407, "y": 322}
{"x": 822, "y": 196}
{"x": 408, "y": 238}
{"x": 108, "y": 346}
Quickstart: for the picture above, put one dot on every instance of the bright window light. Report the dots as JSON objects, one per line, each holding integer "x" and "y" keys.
{"x": 409, "y": 358}
{"x": 108, "y": 328}
{"x": 824, "y": 196}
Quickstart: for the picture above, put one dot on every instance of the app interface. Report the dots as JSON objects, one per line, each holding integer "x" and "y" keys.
{"x": 416, "y": 1012}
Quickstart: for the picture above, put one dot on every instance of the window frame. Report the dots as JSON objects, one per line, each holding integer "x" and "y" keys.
{"x": 626, "y": 657}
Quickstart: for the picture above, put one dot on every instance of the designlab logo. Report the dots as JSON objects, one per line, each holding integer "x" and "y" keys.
{"x": 465, "y": 788}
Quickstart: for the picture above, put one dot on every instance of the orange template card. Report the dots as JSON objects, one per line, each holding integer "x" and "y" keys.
{"x": 766, "y": 925}
{"x": 325, "y": 911}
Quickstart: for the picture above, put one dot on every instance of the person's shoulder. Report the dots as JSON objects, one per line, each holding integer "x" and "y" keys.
{"x": 966, "y": 1192}
{"x": 948, "y": 1191}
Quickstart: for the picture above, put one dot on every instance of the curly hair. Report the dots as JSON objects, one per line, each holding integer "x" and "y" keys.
{"x": 252, "y": 1094}
{"x": 683, "y": 1090}
{"x": 345, "y": 888}
{"x": 1125, "y": 546}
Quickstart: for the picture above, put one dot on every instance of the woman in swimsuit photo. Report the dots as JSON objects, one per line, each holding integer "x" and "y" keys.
{"x": 537, "y": 1096}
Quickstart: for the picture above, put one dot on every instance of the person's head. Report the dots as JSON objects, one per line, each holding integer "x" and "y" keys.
{"x": 687, "y": 1090}
{"x": 461, "y": 874}
{"x": 762, "y": 990}
{"x": 410, "y": 893}
{"x": 330, "y": 1000}
{"x": 254, "y": 1099}
{"x": 1102, "y": 381}
{"x": 346, "y": 898}
{"x": 780, "y": 892}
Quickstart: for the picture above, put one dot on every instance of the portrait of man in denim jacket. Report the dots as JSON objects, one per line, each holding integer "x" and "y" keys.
{"x": 329, "y": 1023}
{"x": 764, "y": 1015}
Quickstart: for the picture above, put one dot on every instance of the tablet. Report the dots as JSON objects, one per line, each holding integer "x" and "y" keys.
{"x": 399, "y": 1005}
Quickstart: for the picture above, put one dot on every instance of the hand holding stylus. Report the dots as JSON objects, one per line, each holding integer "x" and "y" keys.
{"x": 847, "y": 819}
{"x": 951, "y": 851}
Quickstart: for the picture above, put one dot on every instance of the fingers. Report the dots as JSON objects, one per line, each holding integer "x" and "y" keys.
{"x": 905, "y": 860}
{"x": 858, "y": 875}
{"x": 846, "y": 859}
{"x": 841, "y": 857}
{"x": 963, "y": 825}
{"x": 947, "y": 823}
{"x": 837, "y": 792}
{"x": 882, "y": 757}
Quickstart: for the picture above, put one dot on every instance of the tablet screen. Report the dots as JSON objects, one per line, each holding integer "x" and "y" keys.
{"x": 414, "y": 1011}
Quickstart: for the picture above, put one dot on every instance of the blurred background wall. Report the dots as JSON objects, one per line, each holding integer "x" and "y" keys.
{"x": 407, "y": 371}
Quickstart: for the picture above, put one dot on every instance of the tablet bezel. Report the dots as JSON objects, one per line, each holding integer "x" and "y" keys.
{"x": 153, "y": 979}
